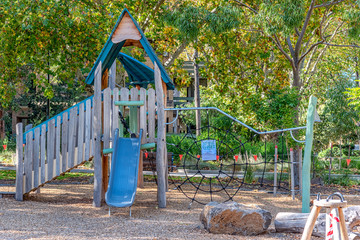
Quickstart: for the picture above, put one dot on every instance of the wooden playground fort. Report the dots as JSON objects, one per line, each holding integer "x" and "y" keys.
{"x": 80, "y": 133}
{"x": 86, "y": 131}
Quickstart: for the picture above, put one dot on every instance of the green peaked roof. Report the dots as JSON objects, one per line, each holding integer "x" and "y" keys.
{"x": 126, "y": 32}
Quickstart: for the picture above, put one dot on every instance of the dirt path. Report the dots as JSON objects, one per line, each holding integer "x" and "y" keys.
{"x": 66, "y": 212}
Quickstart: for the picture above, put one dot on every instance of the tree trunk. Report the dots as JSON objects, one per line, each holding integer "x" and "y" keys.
{"x": 197, "y": 94}
{"x": 296, "y": 84}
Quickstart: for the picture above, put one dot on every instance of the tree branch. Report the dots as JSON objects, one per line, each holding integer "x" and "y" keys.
{"x": 278, "y": 44}
{"x": 290, "y": 47}
{"x": 176, "y": 54}
{"x": 328, "y": 4}
{"x": 339, "y": 45}
{"x": 248, "y": 7}
{"x": 309, "y": 50}
{"x": 303, "y": 30}
{"x": 154, "y": 11}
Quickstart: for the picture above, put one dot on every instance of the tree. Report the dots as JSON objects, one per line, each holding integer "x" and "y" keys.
{"x": 193, "y": 22}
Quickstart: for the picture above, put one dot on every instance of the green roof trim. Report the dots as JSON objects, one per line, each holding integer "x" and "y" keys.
{"x": 111, "y": 51}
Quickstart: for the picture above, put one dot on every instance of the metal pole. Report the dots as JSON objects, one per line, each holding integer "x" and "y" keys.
{"x": 292, "y": 174}
{"x": 275, "y": 170}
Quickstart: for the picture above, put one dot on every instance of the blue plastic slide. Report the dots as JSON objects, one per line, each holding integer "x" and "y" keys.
{"x": 124, "y": 171}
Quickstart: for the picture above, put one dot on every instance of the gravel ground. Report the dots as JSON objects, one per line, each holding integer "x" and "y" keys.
{"x": 65, "y": 211}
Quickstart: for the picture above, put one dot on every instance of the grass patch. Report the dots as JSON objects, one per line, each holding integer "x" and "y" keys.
{"x": 6, "y": 157}
{"x": 74, "y": 175}
{"x": 7, "y": 174}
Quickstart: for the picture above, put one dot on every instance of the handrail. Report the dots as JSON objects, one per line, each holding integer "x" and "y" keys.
{"x": 55, "y": 117}
{"x": 235, "y": 119}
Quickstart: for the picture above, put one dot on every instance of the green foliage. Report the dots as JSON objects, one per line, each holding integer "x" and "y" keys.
{"x": 280, "y": 16}
{"x": 276, "y": 109}
{"x": 339, "y": 119}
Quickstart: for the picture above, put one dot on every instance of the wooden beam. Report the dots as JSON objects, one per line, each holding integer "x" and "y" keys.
{"x": 104, "y": 158}
{"x": 161, "y": 144}
{"x": 97, "y": 139}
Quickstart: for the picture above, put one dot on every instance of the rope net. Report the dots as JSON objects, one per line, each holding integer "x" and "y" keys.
{"x": 224, "y": 158}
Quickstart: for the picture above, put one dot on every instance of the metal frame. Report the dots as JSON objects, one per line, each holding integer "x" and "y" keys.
{"x": 236, "y": 120}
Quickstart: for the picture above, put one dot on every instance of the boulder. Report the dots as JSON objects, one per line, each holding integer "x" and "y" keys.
{"x": 234, "y": 218}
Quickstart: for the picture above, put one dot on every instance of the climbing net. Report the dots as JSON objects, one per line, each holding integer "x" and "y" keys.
{"x": 217, "y": 160}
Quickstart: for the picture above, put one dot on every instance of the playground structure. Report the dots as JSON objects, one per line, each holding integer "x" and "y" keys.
{"x": 80, "y": 134}
{"x": 85, "y": 131}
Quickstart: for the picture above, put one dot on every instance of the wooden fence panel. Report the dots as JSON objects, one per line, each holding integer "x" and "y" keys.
{"x": 124, "y": 96}
{"x": 143, "y": 114}
{"x": 64, "y": 141}
{"x": 28, "y": 162}
{"x": 20, "y": 164}
{"x": 36, "y": 155}
{"x": 151, "y": 115}
{"x": 57, "y": 146}
{"x": 107, "y": 112}
{"x": 72, "y": 137}
{"x": 80, "y": 135}
{"x": 50, "y": 149}
{"x": 87, "y": 128}
{"x": 43, "y": 153}
{"x": 115, "y": 116}
{"x": 134, "y": 120}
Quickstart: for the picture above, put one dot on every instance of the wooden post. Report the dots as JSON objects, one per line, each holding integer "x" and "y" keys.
{"x": 275, "y": 170}
{"x": 19, "y": 163}
{"x": 307, "y": 155}
{"x": 160, "y": 168}
{"x": 97, "y": 139}
{"x": 310, "y": 223}
{"x": 164, "y": 87}
{"x": 112, "y": 78}
{"x": 292, "y": 174}
{"x": 105, "y": 128}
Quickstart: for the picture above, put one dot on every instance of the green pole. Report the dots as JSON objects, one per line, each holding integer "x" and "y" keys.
{"x": 307, "y": 155}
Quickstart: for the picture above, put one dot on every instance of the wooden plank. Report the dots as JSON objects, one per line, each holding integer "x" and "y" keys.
{"x": 72, "y": 137}
{"x": 64, "y": 141}
{"x": 160, "y": 166}
{"x": 80, "y": 138}
{"x": 142, "y": 117}
{"x": 87, "y": 129}
{"x": 36, "y": 156}
{"x": 43, "y": 153}
{"x": 19, "y": 163}
{"x": 310, "y": 223}
{"x": 107, "y": 111}
{"x": 151, "y": 114}
{"x": 115, "y": 116}
{"x": 112, "y": 77}
{"x": 307, "y": 154}
{"x": 133, "y": 120}
{"x": 124, "y": 96}
{"x": 50, "y": 149}
{"x": 57, "y": 146}
{"x": 28, "y": 162}
{"x": 97, "y": 138}
{"x": 106, "y": 135}
{"x": 170, "y": 114}
{"x": 92, "y": 142}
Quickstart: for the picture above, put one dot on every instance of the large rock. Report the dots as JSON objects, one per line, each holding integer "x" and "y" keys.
{"x": 234, "y": 218}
